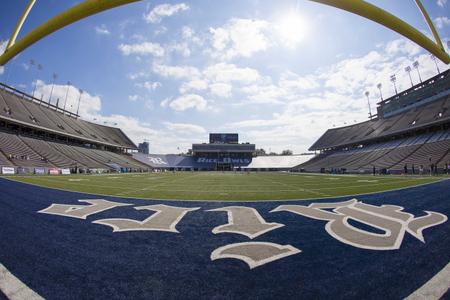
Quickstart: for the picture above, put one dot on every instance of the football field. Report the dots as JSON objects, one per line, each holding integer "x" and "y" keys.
{"x": 239, "y": 186}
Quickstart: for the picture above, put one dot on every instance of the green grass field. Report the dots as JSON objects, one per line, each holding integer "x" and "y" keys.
{"x": 225, "y": 186}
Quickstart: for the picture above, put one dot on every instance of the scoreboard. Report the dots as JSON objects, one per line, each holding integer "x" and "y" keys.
{"x": 223, "y": 138}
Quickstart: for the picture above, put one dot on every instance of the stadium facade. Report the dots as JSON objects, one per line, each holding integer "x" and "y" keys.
{"x": 222, "y": 153}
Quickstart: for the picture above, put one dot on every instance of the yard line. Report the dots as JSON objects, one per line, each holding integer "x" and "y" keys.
{"x": 435, "y": 288}
{"x": 15, "y": 289}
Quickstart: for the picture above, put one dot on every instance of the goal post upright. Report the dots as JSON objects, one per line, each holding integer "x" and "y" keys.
{"x": 430, "y": 24}
{"x": 19, "y": 24}
{"x": 380, "y": 16}
{"x": 78, "y": 12}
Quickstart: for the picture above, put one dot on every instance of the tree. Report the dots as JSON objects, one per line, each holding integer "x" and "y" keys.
{"x": 260, "y": 152}
{"x": 287, "y": 152}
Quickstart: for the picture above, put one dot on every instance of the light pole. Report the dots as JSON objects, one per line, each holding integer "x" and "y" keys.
{"x": 39, "y": 68}
{"x": 67, "y": 93}
{"x": 32, "y": 64}
{"x": 368, "y": 103}
{"x": 53, "y": 85}
{"x": 79, "y": 99}
{"x": 435, "y": 62}
{"x": 408, "y": 70}
{"x": 379, "y": 88}
{"x": 416, "y": 66}
{"x": 393, "y": 80}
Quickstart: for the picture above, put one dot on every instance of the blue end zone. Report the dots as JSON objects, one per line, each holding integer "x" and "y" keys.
{"x": 67, "y": 258}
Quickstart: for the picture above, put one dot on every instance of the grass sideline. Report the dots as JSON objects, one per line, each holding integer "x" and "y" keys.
{"x": 227, "y": 186}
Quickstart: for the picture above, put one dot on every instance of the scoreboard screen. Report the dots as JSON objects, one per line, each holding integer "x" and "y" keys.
{"x": 223, "y": 138}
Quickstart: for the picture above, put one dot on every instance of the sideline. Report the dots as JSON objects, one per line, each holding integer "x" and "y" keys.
{"x": 434, "y": 288}
{"x": 13, "y": 288}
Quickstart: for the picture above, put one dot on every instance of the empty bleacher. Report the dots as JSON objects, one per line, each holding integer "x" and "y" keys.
{"x": 425, "y": 149}
{"x": 19, "y": 154}
{"x": 35, "y": 134}
{"x": 24, "y": 109}
{"x": 412, "y": 128}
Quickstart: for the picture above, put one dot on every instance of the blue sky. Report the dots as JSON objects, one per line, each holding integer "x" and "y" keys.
{"x": 277, "y": 72}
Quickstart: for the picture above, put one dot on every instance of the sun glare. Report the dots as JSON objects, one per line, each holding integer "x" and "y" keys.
{"x": 292, "y": 29}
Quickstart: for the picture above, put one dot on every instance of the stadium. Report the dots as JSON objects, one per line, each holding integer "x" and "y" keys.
{"x": 88, "y": 212}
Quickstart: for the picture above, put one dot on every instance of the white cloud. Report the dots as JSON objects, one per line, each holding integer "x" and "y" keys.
{"x": 176, "y": 72}
{"x": 165, "y": 102}
{"x": 149, "y": 85}
{"x": 134, "y": 76}
{"x": 89, "y": 105}
{"x": 102, "y": 30}
{"x": 441, "y": 3}
{"x": 223, "y": 72}
{"x": 239, "y": 38}
{"x": 133, "y": 98}
{"x": 402, "y": 46}
{"x": 221, "y": 90}
{"x": 265, "y": 94}
{"x": 182, "y": 48}
{"x": 290, "y": 80}
{"x": 164, "y": 10}
{"x": 196, "y": 84}
{"x": 441, "y": 22}
{"x": 185, "y": 128}
{"x": 189, "y": 101}
{"x": 189, "y": 34}
{"x": 145, "y": 48}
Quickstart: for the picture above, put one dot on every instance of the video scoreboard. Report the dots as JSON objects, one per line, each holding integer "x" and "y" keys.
{"x": 223, "y": 138}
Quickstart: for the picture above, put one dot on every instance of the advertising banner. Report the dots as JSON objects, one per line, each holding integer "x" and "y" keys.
{"x": 8, "y": 170}
{"x": 39, "y": 171}
{"x": 65, "y": 171}
{"x": 53, "y": 171}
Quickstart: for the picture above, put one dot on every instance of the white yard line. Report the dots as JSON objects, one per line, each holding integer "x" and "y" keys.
{"x": 13, "y": 288}
{"x": 435, "y": 288}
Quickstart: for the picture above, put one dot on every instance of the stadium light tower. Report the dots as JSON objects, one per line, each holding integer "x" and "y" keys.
{"x": 32, "y": 64}
{"x": 435, "y": 62}
{"x": 368, "y": 103}
{"x": 408, "y": 70}
{"x": 67, "y": 94}
{"x": 79, "y": 100}
{"x": 55, "y": 76}
{"x": 379, "y": 88}
{"x": 39, "y": 67}
{"x": 416, "y": 66}
{"x": 393, "y": 80}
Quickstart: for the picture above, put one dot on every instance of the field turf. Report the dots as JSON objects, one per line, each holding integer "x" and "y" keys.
{"x": 226, "y": 186}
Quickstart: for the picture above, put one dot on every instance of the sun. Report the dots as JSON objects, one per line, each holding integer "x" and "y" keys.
{"x": 292, "y": 29}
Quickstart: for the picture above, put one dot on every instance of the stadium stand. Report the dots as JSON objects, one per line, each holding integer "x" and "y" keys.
{"x": 34, "y": 134}
{"x": 412, "y": 129}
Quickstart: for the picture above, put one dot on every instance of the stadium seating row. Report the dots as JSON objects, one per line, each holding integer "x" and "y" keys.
{"x": 438, "y": 111}
{"x": 425, "y": 149}
{"x": 19, "y": 107}
{"x": 23, "y": 151}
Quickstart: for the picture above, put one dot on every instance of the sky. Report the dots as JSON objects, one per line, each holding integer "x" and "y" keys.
{"x": 279, "y": 73}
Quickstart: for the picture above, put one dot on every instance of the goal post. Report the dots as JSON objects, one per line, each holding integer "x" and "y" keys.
{"x": 72, "y": 15}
